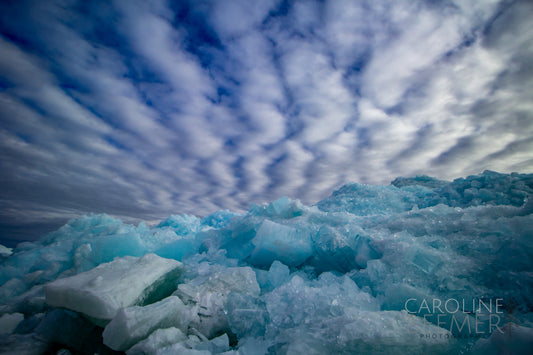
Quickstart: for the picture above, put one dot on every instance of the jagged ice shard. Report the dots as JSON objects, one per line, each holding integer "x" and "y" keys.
{"x": 419, "y": 266}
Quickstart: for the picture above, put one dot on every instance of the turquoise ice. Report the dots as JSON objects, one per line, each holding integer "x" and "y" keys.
{"x": 285, "y": 278}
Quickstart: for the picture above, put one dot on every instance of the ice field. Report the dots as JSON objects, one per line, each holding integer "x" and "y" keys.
{"x": 419, "y": 266}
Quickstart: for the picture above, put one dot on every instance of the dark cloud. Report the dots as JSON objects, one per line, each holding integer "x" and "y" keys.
{"x": 141, "y": 109}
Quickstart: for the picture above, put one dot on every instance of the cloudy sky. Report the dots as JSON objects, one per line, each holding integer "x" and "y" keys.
{"x": 142, "y": 109}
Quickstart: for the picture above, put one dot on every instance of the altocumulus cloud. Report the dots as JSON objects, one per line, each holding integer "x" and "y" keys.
{"x": 141, "y": 109}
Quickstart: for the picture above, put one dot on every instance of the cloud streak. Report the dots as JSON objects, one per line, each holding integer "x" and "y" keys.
{"x": 141, "y": 109}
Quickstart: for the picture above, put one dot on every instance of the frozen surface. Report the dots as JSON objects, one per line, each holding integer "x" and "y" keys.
{"x": 101, "y": 292}
{"x": 370, "y": 269}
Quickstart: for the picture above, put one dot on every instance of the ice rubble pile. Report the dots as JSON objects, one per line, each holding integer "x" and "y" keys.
{"x": 285, "y": 278}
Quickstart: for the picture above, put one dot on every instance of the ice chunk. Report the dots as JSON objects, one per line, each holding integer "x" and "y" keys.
{"x": 99, "y": 293}
{"x": 29, "y": 344}
{"x": 8, "y": 322}
{"x": 219, "y": 219}
{"x": 11, "y": 289}
{"x": 367, "y": 200}
{"x": 29, "y": 302}
{"x": 182, "y": 224}
{"x": 424, "y": 260}
{"x": 29, "y": 323}
{"x": 81, "y": 257}
{"x": 178, "y": 249}
{"x": 419, "y": 180}
{"x": 396, "y": 332}
{"x": 285, "y": 208}
{"x": 215, "y": 346}
{"x": 254, "y": 346}
{"x": 488, "y": 188}
{"x": 182, "y": 350}
{"x": 275, "y": 241}
{"x": 209, "y": 296}
{"x": 107, "y": 247}
{"x": 298, "y": 302}
{"x": 5, "y": 251}
{"x": 365, "y": 332}
{"x": 159, "y": 339}
{"x": 70, "y": 329}
{"x": 133, "y": 324}
{"x": 511, "y": 339}
{"x": 278, "y": 274}
{"x": 334, "y": 251}
{"x": 247, "y": 315}
{"x": 237, "y": 240}
{"x": 282, "y": 208}
{"x": 342, "y": 252}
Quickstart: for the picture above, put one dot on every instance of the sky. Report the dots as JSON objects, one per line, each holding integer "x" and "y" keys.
{"x": 143, "y": 109}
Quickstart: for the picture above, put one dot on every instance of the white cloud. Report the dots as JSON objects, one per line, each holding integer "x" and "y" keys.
{"x": 260, "y": 91}
{"x": 323, "y": 103}
{"x": 129, "y": 110}
{"x": 20, "y": 68}
{"x": 289, "y": 173}
{"x": 394, "y": 67}
{"x": 235, "y": 17}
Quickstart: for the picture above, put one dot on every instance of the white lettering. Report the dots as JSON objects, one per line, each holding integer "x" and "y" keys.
{"x": 456, "y": 305}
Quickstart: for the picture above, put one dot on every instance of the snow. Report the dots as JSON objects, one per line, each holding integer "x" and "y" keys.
{"x": 287, "y": 278}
